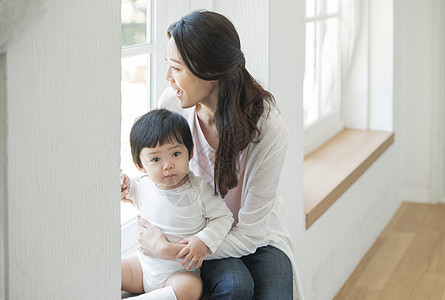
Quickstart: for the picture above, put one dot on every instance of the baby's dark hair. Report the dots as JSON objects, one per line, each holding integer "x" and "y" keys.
{"x": 159, "y": 126}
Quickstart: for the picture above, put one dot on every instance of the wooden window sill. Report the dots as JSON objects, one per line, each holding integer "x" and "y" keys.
{"x": 331, "y": 169}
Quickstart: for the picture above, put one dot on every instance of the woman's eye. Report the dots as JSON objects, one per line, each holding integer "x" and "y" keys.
{"x": 174, "y": 69}
{"x": 176, "y": 154}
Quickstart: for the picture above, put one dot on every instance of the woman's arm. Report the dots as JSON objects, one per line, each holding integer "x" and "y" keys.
{"x": 218, "y": 215}
{"x": 153, "y": 242}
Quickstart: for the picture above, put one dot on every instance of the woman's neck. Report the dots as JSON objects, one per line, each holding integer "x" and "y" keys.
{"x": 205, "y": 117}
{"x": 206, "y": 114}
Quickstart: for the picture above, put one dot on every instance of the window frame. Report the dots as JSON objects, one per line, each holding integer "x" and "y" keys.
{"x": 328, "y": 125}
{"x": 151, "y": 49}
{"x": 163, "y": 12}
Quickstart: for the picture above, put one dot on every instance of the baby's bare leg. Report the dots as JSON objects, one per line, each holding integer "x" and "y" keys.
{"x": 131, "y": 275}
{"x": 187, "y": 285}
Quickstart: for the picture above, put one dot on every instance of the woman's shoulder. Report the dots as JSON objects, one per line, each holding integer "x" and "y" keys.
{"x": 271, "y": 125}
{"x": 271, "y": 143}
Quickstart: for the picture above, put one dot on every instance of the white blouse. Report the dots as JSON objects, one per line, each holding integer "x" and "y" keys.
{"x": 260, "y": 221}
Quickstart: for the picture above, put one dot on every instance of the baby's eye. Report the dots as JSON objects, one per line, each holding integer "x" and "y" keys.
{"x": 156, "y": 159}
{"x": 176, "y": 154}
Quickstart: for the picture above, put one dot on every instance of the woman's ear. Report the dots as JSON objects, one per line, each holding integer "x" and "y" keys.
{"x": 139, "y": 168}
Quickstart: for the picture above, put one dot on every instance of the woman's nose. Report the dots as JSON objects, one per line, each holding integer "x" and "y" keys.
{"x": 168, "y": 75}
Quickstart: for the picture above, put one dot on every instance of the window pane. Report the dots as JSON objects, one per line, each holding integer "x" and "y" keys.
{"x": 330, "y": 72}
{"x": 313, "y": 8}
{"x": 310, "y": 8}
{"x": 331, "y": 6}
{"x": 135, "y": 102}
{"x": 134, "y": 22}
{"x": 311, "y": 81}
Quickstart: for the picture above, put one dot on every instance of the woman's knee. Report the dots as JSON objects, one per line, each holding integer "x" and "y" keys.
{"x": 272, "y": 273}
{"x": 238, "y": 287}
{"x": 227, "y": 279}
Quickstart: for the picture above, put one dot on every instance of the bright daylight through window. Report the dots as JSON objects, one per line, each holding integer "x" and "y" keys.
{"x": 321, "y": 91}
{"x": 137, "y": 55}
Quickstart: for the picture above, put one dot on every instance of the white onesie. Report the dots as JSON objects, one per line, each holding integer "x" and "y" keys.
{"x": 191, "y": 209}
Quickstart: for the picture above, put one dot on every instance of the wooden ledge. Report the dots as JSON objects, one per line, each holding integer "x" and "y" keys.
{"x": 331, "y": 169}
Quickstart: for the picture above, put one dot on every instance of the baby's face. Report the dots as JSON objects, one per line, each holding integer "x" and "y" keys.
{"x": 166, "y": 165}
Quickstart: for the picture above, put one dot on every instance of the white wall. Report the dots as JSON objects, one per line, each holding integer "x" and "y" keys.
{"x": 63, "y": 136}
{"x": 416, "y": 63}
{"x": 438, "y": 130}
{"x": 286, "y": 65}
{"x": 3, "y": 207}
{"x": 421, "y": 116}
{"x": 250, "y": 18}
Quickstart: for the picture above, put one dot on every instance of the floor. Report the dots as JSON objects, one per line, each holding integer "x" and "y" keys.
{"x": 407, "y": 261}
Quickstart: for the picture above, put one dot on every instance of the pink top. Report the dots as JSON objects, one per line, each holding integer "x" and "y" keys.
{"x": 203, "y": 162}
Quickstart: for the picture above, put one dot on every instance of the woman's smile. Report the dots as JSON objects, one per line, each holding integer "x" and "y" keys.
{"x": 179, "y": 94}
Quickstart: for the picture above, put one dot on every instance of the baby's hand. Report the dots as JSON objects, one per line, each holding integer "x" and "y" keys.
{"x": 194, "y": 252}
{"x": 125, "y": 187}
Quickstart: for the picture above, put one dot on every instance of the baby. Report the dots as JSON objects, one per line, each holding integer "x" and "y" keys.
{"x": 182, "y": 205}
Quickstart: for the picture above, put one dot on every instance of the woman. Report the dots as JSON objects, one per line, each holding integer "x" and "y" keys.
{"x": 240, "y": 144}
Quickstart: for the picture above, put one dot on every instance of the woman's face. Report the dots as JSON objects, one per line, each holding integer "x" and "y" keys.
{"x": 190, "y": 89}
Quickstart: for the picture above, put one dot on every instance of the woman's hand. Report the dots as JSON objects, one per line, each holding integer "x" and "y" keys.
{"x": 194, "y": 252}
{"x": 153, "y": 242}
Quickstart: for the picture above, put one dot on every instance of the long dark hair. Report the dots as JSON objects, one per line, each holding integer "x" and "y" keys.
{"x": 210, "y": 48}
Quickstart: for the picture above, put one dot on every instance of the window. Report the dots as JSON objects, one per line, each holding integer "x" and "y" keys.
{"x": 366, "y": 96}
{"x": 144, "y": 40}
{"x": 321, "y": 90}
{"x": 138, "y": 52}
